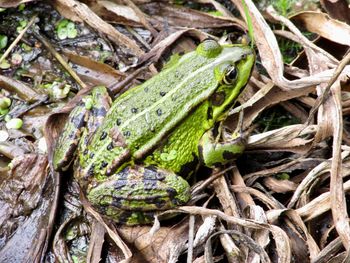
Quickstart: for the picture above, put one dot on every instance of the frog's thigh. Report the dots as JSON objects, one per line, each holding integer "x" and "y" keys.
{"x": 140, "y": 188}
{"x": 214, "y": 153}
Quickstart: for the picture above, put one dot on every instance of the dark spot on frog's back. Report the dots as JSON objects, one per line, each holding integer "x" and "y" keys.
{"x": 104, "y": 164}
{"x": 133, "y": 110}
{"x": 90, "y": 172}
{"x": 103, "y": 135}
{"x": 162, "y": 93}
{"x": 228, "y": 155}
{"x": 159, "y": 112}
{"x": 110, "y": 146}
{"x": 119, "y": 121}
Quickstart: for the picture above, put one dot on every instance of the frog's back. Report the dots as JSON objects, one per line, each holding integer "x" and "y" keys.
{"x": 143, "y": 116}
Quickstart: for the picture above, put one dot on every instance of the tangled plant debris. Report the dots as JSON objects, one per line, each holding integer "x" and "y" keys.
{"x": 285, "y": 199}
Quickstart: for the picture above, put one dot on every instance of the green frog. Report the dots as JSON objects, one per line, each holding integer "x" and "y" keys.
{"x": 132, "y": 155}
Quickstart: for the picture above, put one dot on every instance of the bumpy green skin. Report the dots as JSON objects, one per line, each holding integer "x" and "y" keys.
{"x": 130, "y": 165}
{"x": 133, "y": 194}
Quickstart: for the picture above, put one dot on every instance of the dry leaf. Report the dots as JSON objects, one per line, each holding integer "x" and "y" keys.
{"x": 323, "y": 25}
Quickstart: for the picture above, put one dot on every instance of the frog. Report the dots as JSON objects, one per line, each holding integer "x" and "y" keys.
{"x": 132, "y": 157}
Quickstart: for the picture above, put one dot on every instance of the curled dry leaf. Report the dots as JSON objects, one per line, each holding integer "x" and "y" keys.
{"x": 165, "y": 245}
{"x": 339, "y": 10}
{"x": 305, "y": 186}
{"x": 321, "y": 203}
{"x": 279, "y": 186}
{"x": 11, "y": 150}
{"x": 267, "y": 96}
{"x": 297, "y": 145}
{"x": 291, "y": 136}
{"x": 258, "y": 214}
{"x": 156, "y": 52}
{"x": 188, "y": 18}
{"x": 92, "y": 72}
{"x": 115, "y": 13}
{"x": 24, "y": 92}
{"x": 302, "y": 242}
{"x": 323, "y": 25}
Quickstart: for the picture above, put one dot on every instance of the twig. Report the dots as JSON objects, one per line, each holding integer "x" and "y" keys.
{"x": 190, "y": 239}
{"x": 18, "y": 38}
{"x": 60, "y": 59}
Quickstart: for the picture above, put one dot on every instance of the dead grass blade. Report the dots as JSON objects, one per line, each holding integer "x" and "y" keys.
{"x": 339, "y": 209}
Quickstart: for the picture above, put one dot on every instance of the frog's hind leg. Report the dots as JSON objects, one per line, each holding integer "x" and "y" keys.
{"x": 136, "y": 193}
{"x": 87, "y": 115}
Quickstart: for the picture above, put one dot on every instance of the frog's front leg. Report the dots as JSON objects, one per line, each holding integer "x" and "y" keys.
{"x": 212, "y": 152}
{"x": 136, "y": 193}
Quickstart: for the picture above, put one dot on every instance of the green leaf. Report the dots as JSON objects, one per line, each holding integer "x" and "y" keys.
{"x": 22, "y": 25}
{"x": 5, "y": 64}
{"x": 62, "y": 33}
{"x": 3, "y": 41}
{"x": 62, "y": 24}
{"x": 72, "y": 33}
{"x": 21, "y": 7}
{"x": 5, "y": 102}
{"x": 14, "y": 123}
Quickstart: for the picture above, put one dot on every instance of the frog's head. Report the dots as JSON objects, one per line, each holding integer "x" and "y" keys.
{"x": 232, "y": 69}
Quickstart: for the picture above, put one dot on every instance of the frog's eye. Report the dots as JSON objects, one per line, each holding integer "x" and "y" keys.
{"x": 231, "y": 75}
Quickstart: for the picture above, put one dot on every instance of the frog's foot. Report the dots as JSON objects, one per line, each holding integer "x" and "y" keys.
{"x": 213, "y": 153}
{"x": 136, "y": 193}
